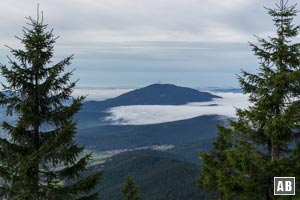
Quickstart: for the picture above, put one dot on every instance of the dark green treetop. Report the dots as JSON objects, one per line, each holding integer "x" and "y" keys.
{"x": 130, "y": 191}
{"x": 39, "y": 159}
{"x": 215, "y": 167}
{"x": 265, "y": 135}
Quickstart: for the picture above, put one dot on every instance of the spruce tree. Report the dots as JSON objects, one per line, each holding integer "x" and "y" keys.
{"x": 265, "y": 135}
{"x": 39, "y": 160}
{"x": 215, "y": 166}
{"x": 130, "y": 191}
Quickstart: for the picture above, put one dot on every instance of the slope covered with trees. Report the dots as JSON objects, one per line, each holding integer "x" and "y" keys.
{"x": 155, "y": 94}
{"x": 158, "y": 175}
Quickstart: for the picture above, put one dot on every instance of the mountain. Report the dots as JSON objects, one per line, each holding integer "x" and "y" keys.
{"x": 158, "y": 175}
{"x": 155, "y": 94}
{"x": 93, "y": 113}
{"x": 169, "y": 174}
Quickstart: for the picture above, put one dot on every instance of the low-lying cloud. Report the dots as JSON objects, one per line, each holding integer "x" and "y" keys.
{"x": 153, "y": 114}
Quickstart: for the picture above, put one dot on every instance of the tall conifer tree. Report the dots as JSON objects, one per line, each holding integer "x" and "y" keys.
{"x": 130, "y": 191}
{"x": 215, "y": 166}
{"x": 265, "y": 135}
{"x": 39, "y": 160}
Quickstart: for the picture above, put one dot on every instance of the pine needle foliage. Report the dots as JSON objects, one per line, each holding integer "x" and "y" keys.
{"x": 130, "y": 190}
{"x": 264, "y": 139}
{"x": 39, "y": 160}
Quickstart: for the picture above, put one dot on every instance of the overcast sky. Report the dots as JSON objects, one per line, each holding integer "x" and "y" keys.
{"x": 132, "y": 43}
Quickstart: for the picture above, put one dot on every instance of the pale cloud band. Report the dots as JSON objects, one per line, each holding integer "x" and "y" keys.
{"x": 154, "y": 114}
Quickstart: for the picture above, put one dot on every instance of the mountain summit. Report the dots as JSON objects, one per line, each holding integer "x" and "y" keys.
{"x": 155, "y": 94}
{"x": 163, "y": 94}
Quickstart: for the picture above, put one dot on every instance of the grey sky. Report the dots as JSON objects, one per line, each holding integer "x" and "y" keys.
{"x": 132, "y": 43}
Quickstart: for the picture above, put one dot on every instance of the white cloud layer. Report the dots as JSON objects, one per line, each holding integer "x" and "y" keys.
{"x": 153, "y": 114}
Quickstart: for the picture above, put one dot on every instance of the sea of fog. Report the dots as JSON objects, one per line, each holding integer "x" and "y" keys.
{"x": 153, "y": 114}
